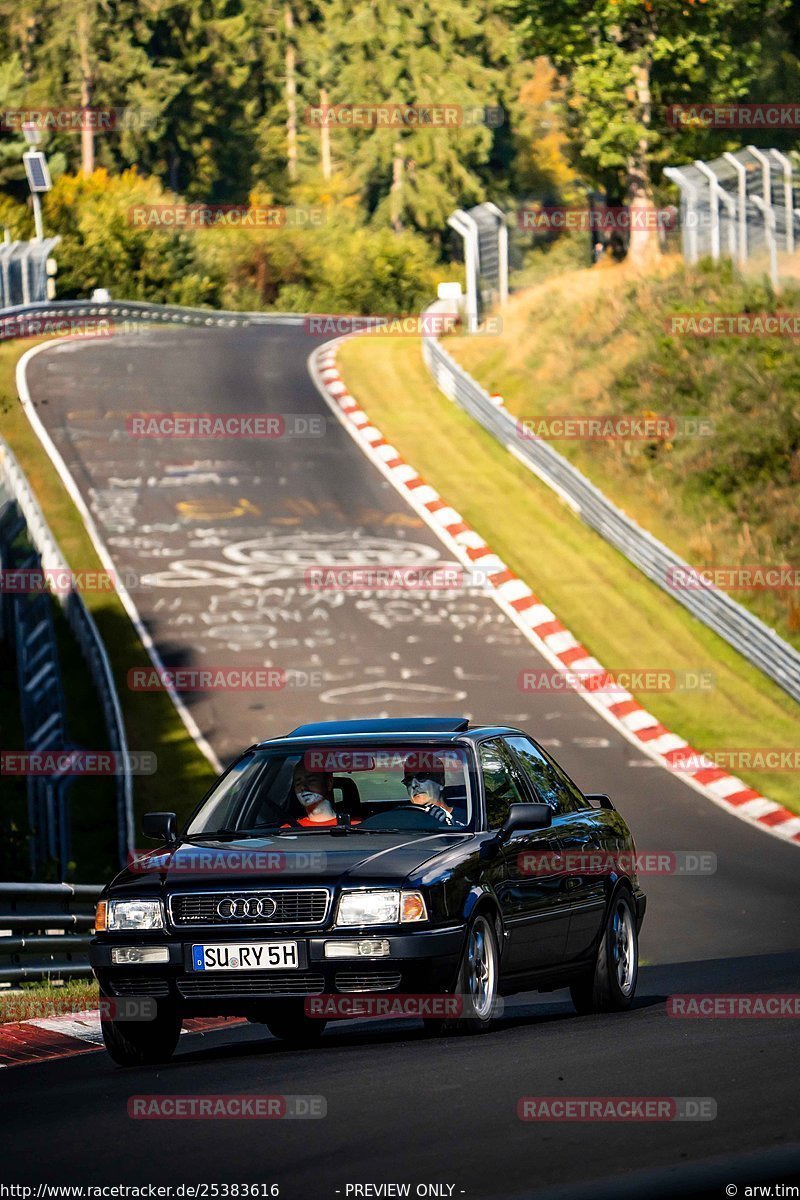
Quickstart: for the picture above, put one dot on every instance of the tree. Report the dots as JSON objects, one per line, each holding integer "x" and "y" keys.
{"x": 399, "y": 53}
{"x": 626, "y": 61}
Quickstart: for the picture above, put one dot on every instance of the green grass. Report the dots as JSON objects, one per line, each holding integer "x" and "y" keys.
{"x": 593, "y": 343}
{"x": 151, "y": 721}
{"x": 621, "y": 617}
{"x": 47, "y": 999}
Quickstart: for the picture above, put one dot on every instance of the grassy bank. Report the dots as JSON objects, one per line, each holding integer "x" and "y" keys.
{"x": 618, "y": 614}
{"x": 151, "y": 721}
{"x": 599, "y": 342}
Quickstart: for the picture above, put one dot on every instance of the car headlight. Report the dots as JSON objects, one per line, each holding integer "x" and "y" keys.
{"x": 134, "y": 914}
{"x": 381, "y": 908}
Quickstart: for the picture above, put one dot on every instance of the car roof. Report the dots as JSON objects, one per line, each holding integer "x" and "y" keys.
{"x": 440, "y": 730}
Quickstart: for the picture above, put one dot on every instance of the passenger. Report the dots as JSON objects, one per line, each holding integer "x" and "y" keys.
{"x": 313, "y": 791}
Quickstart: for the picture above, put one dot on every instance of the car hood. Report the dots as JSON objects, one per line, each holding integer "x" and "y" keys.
{"x": 307, "y": 858}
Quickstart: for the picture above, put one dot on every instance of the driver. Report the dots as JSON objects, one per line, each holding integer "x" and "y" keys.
{"x": 424, "y": 781}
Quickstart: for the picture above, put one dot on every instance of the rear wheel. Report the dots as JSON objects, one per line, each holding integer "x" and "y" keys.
{"x": 611, "y": 984}
{"x": 477, "y": 982}
{"x": 287, "y": 1020}
{"x": 143, "y": 1043}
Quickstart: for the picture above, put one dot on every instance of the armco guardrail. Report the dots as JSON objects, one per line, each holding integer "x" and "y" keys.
{"x": 87, "y": 636}
{"x": 45, "y": 930}
{"x": 142, "y": 310}
{"x": 752, "y": 638}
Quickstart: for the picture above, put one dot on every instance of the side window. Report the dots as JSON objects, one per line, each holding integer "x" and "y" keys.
{"x": 551, "y": 784}
{"x": 502, "y": 789}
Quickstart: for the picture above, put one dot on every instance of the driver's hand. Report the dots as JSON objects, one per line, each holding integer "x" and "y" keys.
{"x": 440, "y": 813}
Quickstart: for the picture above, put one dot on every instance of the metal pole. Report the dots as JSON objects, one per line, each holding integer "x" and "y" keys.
{"x": 741, "y": 172}
{"x": 730, "y": 205}
{"x": 788, "y": 199}
{"x": 475, "y": 258}
{"x": 470, "y": 265}
{"x": 769, "y": 233}
{"x": 689, "y": 225}
{"x": 713, "y": 199}
{"x": 766, "y": 174}
{"x": 37, "y": 216}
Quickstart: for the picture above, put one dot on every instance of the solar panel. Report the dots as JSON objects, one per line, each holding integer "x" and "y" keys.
{"x": 37, "y": 171}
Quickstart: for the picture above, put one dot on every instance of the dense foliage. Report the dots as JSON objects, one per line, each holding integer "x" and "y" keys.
{"x": 220, "y": 101}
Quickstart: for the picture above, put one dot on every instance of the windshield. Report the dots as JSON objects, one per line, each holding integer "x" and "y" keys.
{"x": 410, "y": 788}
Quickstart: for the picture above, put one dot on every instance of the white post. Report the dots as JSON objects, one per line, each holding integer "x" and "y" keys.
{"x": 713, "y": 199}
{"x": 766, "y": 174}
{"x": 788, "y": 198}
{"x": 461, "y": 223}
{"x": 741, "y": 172}
{"x": 689, "y": 228}
{"x": 769, "y": 231}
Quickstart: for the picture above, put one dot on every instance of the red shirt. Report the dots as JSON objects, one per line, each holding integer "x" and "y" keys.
{"x": 307, "y": 823}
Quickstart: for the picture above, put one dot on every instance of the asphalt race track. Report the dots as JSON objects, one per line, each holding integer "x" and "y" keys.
{"x": 221, "y": 533}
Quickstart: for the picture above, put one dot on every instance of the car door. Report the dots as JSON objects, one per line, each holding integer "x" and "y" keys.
{"x": 533, "y": 901}
{"x": 580, "y": 832}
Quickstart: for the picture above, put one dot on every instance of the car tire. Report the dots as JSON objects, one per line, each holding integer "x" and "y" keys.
{"x": 610, "y": 985}
{"x": 287, "y": 1020}
{"x": 142, "y": 1043}
{"x": 477, "y": 982}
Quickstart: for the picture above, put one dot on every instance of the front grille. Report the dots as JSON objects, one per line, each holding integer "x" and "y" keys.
{"x": 143, "y": 986}
{"x": 296, "y": 906}
{"x": 367, "y": 981}
{"x": 251, "y": 983}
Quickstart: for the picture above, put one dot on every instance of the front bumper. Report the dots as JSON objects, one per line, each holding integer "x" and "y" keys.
{"x": 425, "y": 961}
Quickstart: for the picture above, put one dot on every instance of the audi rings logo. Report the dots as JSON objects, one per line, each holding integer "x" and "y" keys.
{"x": 239, "y": 908}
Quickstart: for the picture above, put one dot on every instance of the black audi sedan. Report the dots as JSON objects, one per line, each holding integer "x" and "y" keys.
{"x": 420, "y": 858}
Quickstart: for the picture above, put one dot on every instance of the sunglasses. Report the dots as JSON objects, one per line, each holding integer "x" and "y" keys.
{"x": 421, "y": 777}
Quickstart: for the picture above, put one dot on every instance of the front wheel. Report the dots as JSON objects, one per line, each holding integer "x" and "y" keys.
{"x": 476, "y": 986}
{"x": 142, "y": 1043}
{"x": 287, "y": 1020}
{"x": 610, "y": 985}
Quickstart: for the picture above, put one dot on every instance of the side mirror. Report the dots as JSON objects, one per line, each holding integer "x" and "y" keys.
{"x": 161, "y": 826}
{"x": 526, "y": 817}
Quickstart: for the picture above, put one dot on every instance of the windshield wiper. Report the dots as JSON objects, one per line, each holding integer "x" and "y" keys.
{"x": 217, "y": 835}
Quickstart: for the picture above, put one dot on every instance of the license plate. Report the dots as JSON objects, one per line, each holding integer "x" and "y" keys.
{"x": 233, "y": 956}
